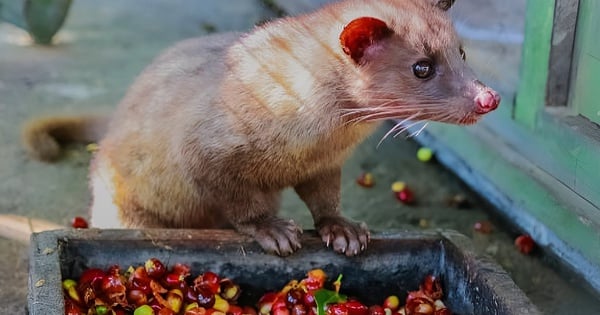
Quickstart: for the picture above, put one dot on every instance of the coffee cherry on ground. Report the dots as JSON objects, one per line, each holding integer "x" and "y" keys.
{"x": 194, "y": 309}
{"x": 415, "y": 299}
{"x": 157, "y": 288}
{"x": 406, "y": 196}
{"x": 235, "y": 310}
{"x": 143, "y": 310}
{"x": 71, "y": 308}
{"x": 337, "y": 309}
{"x": 366, "y": 180}
{"x": 483, "y": 227}
{"x": 248, "y": 310}
{"x": 89, "y": 285}
{"x": 208, "y": 280}
{"x": 298, "y": 309}
{"x": 154, "y": 268}
{"x": 356, "y": 308}
{"x": 92, "y": 277}
{"x": 155, "y": 305}
{"x": 293, "y": 297}
{"x": 173, "y": 280}
{"x": 432, "y": 287}
{"x": 309, "y": 299}
{"x": 229, "y": 290}
{"x": 376, "y": 310}
{"x": 424, "y": 154}
{"x": 392, "y": 302}
{"x": 205, "y": 298}
{"x": 220, "y": 304}
{"x": 459, "y": 201}
{"x": 315, "y": 279}
{"x": 189, "y": 295}
{"x": 525, "y": 244}
{"x": 212, "y": 311}
{"x": 175, "y": 300}
{"x": 398, "y": 186}
{"x": 181, "y": 269}
{"x": 137, "y": 297}
{"x": 79, "y": 223}
{"x": 423, "y": 309}
{"x": 92, "y": 147}
{"x": 113, "y": 285}
{"x": 70, "y": 286}
{"x": 265, "y": 303}
{"x": 119, "y": 311}
{"x": 280, "y": 311}
{"x": 102, "y": 310}
{"x": 139, "y": 280}
{"x": 166, "y": 311}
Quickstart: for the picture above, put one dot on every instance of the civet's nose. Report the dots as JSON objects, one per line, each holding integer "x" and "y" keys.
{"x": 486, "y": 101}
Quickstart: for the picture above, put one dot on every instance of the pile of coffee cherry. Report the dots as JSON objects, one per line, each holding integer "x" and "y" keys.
{"x": 310, "y": 297}
{"x": 152, "y": 289}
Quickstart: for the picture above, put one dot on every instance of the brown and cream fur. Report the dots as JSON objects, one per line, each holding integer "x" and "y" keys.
{"x": 213, "y": 130}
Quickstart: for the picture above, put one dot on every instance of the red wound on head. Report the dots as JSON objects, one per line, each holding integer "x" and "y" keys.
{"x": 360, "y": 34}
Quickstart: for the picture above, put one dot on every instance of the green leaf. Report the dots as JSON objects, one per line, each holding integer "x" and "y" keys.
{"x": 324, "y": 297}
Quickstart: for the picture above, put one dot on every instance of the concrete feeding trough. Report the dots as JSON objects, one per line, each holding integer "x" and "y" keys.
{"x": 394, "y": 263}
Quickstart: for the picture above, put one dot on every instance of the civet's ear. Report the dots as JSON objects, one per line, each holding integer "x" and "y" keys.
{"x": 443, "y": 4}
{"x": 362, "y": 33}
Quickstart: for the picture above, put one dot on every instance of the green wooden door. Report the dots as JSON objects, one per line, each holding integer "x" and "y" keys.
{"x": 564, "y": 139}
{"x": 585, "y": 96}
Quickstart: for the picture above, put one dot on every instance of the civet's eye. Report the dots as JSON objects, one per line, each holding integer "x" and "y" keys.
{"x": 462, "y": 54}
{"x": 423, "y": 69}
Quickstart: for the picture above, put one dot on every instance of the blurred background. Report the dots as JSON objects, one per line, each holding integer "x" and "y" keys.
{"x": 530, "y": 168}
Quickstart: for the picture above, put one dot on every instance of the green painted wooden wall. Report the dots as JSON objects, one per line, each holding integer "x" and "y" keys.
{"x": 541, "y": 164}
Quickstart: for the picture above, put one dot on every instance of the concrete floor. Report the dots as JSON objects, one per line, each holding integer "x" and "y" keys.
{"x": 104, "y": 45}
